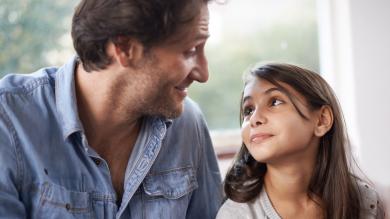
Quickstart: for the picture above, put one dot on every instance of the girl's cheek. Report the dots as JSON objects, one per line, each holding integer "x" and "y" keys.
{"x": 245, "y": 132}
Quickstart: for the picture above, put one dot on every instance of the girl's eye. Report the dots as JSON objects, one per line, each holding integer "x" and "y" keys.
{"x": 247, "y": 111}
{"x": 276, "y": 102}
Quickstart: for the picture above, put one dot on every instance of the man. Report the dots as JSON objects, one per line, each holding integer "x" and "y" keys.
{"x": 111, "y": 134}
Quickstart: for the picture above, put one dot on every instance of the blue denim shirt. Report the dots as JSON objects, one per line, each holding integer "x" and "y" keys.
{"x": 48, "y": 170}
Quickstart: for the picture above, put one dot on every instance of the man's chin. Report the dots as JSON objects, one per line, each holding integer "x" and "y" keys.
{"x": 174, "y": 113}
{"x": 171, "y": 111}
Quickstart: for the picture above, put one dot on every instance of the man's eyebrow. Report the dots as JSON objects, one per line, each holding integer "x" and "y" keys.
{"x": 197, "y": 38}
{"x": 201, "y": 36}
{"x": 189, "y": 40}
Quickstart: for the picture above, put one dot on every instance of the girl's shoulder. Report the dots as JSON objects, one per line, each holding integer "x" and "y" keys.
{"x": 233, "y": 210}
{"x": 371, "y": 206}
{"x": 259, "y": 208}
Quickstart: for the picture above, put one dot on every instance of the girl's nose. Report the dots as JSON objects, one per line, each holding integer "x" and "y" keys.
{"x": 257, "y": 119}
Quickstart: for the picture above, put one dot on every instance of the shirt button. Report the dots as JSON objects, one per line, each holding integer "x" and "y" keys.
{"x": 67, "y": 206}
{"x": 97, "y": 161}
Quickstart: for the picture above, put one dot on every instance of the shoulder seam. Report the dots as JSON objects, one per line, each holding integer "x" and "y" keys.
{"x": 15, "y": 143}
{"x": 25, "y": 89}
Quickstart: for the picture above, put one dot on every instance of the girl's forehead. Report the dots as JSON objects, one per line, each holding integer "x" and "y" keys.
{"x": 260, "y": 87}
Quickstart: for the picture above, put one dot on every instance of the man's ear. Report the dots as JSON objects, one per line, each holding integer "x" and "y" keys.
{"x": 127, "y": 51}
{"x": 324, "y": 122}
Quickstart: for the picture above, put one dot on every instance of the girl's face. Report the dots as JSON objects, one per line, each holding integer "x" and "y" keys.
{"x": 272, "y": 129}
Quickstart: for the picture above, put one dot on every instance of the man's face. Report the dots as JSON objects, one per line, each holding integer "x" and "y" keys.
{"x": 170, "y": 68}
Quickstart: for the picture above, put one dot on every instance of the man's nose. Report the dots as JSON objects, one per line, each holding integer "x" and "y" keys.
{"x": 200, "y": 72}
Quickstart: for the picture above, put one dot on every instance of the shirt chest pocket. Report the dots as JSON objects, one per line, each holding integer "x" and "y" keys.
{"x": 59, "y": 202}
{"x": 167, "y": 194}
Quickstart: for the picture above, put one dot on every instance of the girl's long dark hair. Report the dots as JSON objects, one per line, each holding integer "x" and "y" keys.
{"x": 333, "y": 180}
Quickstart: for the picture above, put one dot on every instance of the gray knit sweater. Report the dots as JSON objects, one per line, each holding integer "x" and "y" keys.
{"x": 261, "y": 207}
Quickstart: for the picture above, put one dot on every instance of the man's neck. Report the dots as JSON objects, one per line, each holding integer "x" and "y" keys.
{"x": 111, "y": 128}
{"x": 105, "y": 125}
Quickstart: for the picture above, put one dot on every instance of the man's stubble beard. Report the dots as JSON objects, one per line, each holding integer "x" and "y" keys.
{"x": 150, "y": 93}
{"x": 158, "y": 99}
{"x": 161, "y": 103}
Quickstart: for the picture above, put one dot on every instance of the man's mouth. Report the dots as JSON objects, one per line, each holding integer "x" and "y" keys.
{"x": 182, "y": 90}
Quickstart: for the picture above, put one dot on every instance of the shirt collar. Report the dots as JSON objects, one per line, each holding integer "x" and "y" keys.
{"x": 66, "y": 101}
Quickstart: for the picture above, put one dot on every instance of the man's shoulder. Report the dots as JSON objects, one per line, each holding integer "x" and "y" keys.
{"x": 191, "y": 118}
{"x": 191, "y": 110}
{"x": 19, "y": 92}
{"x": 25, "y": 83}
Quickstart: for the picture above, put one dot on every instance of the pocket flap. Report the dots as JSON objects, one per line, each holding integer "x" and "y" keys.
{"x": 172, "y": 184}
{"x": 60, "y": 197}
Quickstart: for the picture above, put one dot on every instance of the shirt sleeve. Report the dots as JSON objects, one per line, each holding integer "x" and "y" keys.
{"x": 207, "y": 198}
{"x": 10, "y": 205}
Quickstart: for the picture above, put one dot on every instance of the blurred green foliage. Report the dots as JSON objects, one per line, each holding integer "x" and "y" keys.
{"x": 29, "y": 29}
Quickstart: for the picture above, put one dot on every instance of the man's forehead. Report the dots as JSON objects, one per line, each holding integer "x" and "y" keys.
{"x": 196, "y": 30}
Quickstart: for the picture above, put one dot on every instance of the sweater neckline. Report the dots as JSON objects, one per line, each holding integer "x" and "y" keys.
{"x": 266, "y": 204}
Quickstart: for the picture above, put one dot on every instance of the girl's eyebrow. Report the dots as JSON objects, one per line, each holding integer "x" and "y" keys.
{"x": 272, "y": 89}
{"x": 267, "y": 92}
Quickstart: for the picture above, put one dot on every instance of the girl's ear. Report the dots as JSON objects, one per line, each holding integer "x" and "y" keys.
{"x": 325, "y": 121}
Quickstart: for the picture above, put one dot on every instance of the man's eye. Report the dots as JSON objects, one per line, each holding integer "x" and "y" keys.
{"x": 276, "y": 102}
{"x": 193, "y": 49}
{"x": 190, "y": 52}
{"x": 247, "y": 111}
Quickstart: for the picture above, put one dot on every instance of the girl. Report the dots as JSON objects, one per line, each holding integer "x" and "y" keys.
{"x": 295, "y": 160}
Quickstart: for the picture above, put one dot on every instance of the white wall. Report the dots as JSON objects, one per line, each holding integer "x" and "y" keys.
{"x": 355, "y": 59}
